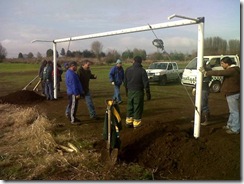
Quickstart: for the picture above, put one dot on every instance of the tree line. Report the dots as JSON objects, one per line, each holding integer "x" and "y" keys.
{"x": 212, "y": 46}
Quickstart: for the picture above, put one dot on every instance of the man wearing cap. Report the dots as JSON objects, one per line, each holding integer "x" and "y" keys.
{"x": 116, "y": 77}
{"x": 136, "y": 80}
{"x": 74, "y": 92}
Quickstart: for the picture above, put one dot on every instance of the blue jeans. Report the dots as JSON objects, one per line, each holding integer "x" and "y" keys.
{"x": 67, "y": 110}
{"x": 49, "y": 90}
{"x": 90, "y": 105}
{"x": 117, "y": 96}
{"x": 205, "y": 108}
{"x": 234, "y": 117}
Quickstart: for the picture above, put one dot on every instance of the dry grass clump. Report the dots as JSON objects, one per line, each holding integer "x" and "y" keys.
{"x": 28, "y": 149}
{"x": 28, "y": 130}
{"x": 24, "y": 137}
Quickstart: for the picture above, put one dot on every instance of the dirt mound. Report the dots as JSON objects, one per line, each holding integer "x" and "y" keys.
{"x": 22, "y": 97}
{"x": 173, "y": 153}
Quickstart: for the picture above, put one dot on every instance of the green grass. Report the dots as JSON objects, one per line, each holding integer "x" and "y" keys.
{"x": 18, "y": 67}
{"x": 15, "y": 76}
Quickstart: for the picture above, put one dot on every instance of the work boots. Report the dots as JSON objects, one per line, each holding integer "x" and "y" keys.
{"x": 129, "y": 122}
{"x": 206, "y": 119}
{"x": 136, "y": 123}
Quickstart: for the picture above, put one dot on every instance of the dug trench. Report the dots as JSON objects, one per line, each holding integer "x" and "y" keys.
{"x": 165, "y": 145}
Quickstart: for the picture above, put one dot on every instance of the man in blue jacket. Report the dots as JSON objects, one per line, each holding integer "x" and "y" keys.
{"x": 74, "y": 92}
{"x": 116, "y": 77}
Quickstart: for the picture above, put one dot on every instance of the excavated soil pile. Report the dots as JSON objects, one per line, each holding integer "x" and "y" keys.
{"x": 22, "y": 97}
{"x": 173, "y": 153}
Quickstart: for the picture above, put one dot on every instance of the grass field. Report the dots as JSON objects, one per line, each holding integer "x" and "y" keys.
{"x": 15, "y": 76}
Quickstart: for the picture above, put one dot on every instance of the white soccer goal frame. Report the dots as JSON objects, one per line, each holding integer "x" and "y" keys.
{"x": 186, "y": 21}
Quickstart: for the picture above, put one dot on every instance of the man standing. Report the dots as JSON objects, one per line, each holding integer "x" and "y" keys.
{"x": 44, "y": 63}
{"x": 231, "y": 89}
{"x": 205, "y": 94}
{"x": 85, "y": 75}
{"x": 116, "y": 77}
{"x": 136, "y": 80}
{"x": 48, "y": 79}
{"x": 74, "y": 91}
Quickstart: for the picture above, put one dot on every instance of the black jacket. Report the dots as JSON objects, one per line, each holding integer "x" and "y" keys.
{"x": 85, "y": 76}
{"x": 136, "y": 78}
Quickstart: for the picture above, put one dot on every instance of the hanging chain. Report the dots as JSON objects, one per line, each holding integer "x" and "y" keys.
{"x": 160, "y": 45}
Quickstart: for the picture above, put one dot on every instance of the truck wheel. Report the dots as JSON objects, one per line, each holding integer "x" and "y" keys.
{"x": 215, "y": 87}
{"x": 162, "y": 81}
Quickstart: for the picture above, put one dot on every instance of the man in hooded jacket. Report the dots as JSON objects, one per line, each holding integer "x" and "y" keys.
{"x": 136, "y": 81}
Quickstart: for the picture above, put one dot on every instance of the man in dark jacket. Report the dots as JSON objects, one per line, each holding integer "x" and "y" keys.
{"x": 136, "y": 80}
{"x": 85, "y": 75}
{"x": 231, "y": 89}
{"x": 44, "y": 63}
{"x": 48, "y": 79}
{"x": 116, "y": 77}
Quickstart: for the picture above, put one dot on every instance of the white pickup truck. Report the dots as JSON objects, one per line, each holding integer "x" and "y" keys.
{"x": 163, "y": 72}
{"x": 190, "y": 72}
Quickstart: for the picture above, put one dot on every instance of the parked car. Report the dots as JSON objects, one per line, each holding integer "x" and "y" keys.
{"x": 164, "y": 72}
{"x": 190, "y": 72}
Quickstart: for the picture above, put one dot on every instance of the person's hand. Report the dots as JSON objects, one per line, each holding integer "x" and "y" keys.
{"x": 148, "y": 95}
{"x": 112, "y": 83}
{"x": 203, "y": 71}
{"x": 77, "y": 97}
{"x": 193, "y": 91}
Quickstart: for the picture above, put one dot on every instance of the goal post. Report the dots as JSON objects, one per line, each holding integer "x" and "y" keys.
{"x": 186, "y": 21}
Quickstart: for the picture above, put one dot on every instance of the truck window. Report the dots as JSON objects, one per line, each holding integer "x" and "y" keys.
{"x": 170, "y": 66}
{"x": 175, "y": 66}
{"x": 152, "y": 66}
{"x": 192, "y": 65}
{"x": 215, "y": 62}
{"x": 233, "y": 60}
{"x": 158, "y": 66}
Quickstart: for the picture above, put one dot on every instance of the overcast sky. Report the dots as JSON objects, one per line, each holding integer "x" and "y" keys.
{"x": 25, "y": 20}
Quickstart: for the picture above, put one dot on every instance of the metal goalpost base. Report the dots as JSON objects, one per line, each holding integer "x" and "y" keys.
{"x": 185, "y": 22}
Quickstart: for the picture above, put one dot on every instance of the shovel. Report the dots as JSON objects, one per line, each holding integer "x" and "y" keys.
{"x": 36, "y": 86}
{"x": 30, "y": 82}
{"x": 110, "y": 154}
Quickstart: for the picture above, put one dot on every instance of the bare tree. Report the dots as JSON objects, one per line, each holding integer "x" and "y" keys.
{"x": 38, "y": 55}
{"x": 112, "y": 56}
{"x": 215, "y": 45}
{"x": 140, "y": 52}
{"x": 97, "y": 48}
{"x": 62, "y": 53}
{"x": 20, "y": 55}
{"x": 3, "y": 52}
{"x": 234, "y": 47}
